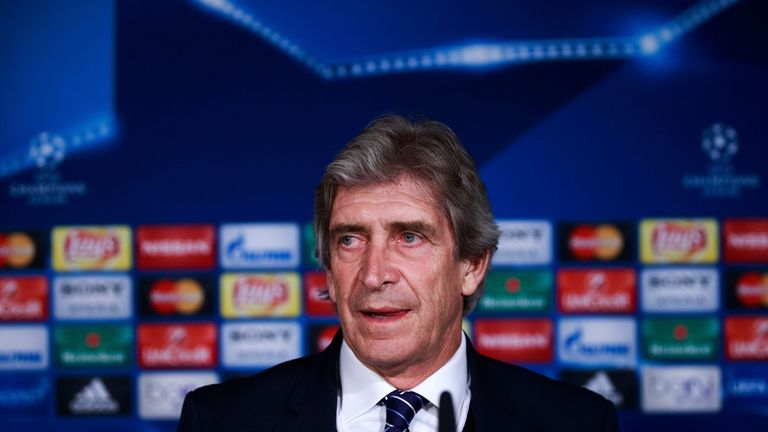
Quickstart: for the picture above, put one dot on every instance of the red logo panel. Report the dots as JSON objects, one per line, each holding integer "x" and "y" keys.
{"x": 316, "y": 295}
{"x": 175, "y": 247}
{"x": 596, "y": 291}
{"x": 515, "y": 341}
{"x": 746, "y": 338}
{"x": 745, "y": 240}
{"x": 23, "y": 298}
{"x": 190, "y": 345}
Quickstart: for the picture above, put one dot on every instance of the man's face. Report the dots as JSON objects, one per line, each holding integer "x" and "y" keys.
{"x": 394, "y": 277}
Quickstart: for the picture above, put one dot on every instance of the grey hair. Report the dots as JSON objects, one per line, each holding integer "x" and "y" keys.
{"x": 429, "y": 151}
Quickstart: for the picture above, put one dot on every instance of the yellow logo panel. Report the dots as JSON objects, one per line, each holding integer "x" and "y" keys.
{"x": 245, "y": 295}
{"x": 92, "y": 248}
{"x": 679, "y": 241}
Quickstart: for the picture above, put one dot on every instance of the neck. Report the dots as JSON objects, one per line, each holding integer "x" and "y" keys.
{"x": 408, "y": 375}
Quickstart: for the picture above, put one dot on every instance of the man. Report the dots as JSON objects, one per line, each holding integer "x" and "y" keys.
{"x": 405, "y": 231}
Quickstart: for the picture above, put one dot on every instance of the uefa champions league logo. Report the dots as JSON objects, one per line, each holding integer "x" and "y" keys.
{"x": 720, "y": 142}
{"x": 46, "y": 150}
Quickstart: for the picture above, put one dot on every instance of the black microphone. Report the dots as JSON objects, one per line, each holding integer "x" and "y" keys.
{"x": 446, "y": 420}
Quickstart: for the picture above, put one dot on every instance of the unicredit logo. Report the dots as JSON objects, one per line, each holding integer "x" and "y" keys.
{"x": 670, "y": 237}
{"x": 86, "y": 245}
{"x": 249, "y": 291}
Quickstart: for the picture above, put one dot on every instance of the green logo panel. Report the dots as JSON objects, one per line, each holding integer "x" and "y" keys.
{"x": 681, "y": 338}
{"x": 517, "y": 291}
{"x": 93, "y": 345}
{"x": 310, "y": 244}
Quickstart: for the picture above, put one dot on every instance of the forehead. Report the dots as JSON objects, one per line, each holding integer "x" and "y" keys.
{"x": 402, "y": 199}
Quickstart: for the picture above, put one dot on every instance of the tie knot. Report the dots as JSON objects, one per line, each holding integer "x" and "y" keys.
{"x": 401, "y": 407}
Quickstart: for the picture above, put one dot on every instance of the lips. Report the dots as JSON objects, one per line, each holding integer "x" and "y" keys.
{"x": 384, "y": 314}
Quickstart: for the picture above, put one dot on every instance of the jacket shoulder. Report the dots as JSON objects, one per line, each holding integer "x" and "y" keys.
{"x": 261, "y": 395}
{"x": 543, "y": 403}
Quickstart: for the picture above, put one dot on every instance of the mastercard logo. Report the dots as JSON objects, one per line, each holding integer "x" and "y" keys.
{"x": 184, "y": 296}
{"x": 752, "y": 289}
{"x": 602, "y": 242}
{"x": 17, "y": 250}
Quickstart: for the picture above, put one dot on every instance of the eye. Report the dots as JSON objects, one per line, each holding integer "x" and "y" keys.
{"x": 346, "y": 240}
{"x": 410, "y": 238}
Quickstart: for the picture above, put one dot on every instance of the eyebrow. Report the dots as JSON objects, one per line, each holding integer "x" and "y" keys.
{"x": 399, "y": 226}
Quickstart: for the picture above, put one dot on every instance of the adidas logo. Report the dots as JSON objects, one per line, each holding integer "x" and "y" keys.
{"x": 94, "y": 399}
{"x": 601, "y": 384}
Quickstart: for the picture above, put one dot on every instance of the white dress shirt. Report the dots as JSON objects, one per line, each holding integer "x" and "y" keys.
{"x": 357, "y": 406}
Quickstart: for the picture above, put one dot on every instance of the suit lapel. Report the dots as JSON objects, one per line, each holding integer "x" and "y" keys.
{"x": 313, "y": 402}
{"x": 492, "y": 407}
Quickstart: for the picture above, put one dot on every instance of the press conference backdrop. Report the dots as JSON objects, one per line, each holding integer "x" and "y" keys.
{"x": 158, "y": 161}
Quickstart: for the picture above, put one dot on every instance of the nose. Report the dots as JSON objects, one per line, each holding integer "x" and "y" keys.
{"x": 378, "y": 269}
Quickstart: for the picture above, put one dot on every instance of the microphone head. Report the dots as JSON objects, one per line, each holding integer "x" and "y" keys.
{"x": 446, "y": 418}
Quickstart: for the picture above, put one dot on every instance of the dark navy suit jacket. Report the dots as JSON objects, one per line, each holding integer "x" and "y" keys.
{"x": 300, "y": 395}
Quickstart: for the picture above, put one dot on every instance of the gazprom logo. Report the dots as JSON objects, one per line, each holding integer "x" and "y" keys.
{"x": 598, "y": 342}
{"x": 259, "y": 246}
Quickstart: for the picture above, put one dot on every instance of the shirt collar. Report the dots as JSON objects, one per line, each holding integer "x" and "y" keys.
{"x": 362, "y": 388}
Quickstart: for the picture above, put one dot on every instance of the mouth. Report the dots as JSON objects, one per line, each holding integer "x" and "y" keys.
{"x": 384, "y": 314}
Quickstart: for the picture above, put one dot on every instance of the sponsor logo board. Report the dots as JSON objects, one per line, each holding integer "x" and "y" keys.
{"x": 316, "y": 299}
{"x": 320, "y": 336}
{"x": 190, "y": 345}
{"x": 93, "y": 346}
{"x": 745, "y": 240}
{"x": 92, "y": 297}
{"x": 746, "y": 289}
{"x": 77, "y": 248}
{"x": 681, "y": 389}
{"x": 680, "y": 338}
{"x": 24, "y": 394}
{"x": 310, "y": 246}
{"x": 94, "y": 396}
{"x": 23, "y": 298}
{"x": 23, "y": 347}
{"x": 175, "y": 247}
{"x": 260, "y": 295}
{"x": 746, "y": 338}
{"x": 161, "y": 394}
{"x": 517, "y": 291}
{"x": 524, "y": 243}
{"x": 259, "y": 246}
{"x": 260, "y": 344}
{"x": 515, "y": 340}
{"x": 680, "y": 289}
{"x": 678, "y": 241}
{"x": 596, "y": 291}
{"x": 602, "y": 242}
{"x": 176, "y": 296}
{"x": 746, "y": 384}
{"x": 598, "y": 342}
{"x": 617, "y": 385}
{"x": 23, "y": 250}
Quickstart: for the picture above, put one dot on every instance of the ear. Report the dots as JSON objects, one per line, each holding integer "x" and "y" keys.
{"x": 331, "y": 286}
{"x": 472, "y": 273}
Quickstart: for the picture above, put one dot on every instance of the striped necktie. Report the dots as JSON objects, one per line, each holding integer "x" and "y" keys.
{"x": 401, "y": 407}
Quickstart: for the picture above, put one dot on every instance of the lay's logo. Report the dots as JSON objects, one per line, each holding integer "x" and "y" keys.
{"x": 92, "y": 248}
{"x": 679, "y": 241}
{"x": 259, "y": 294}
